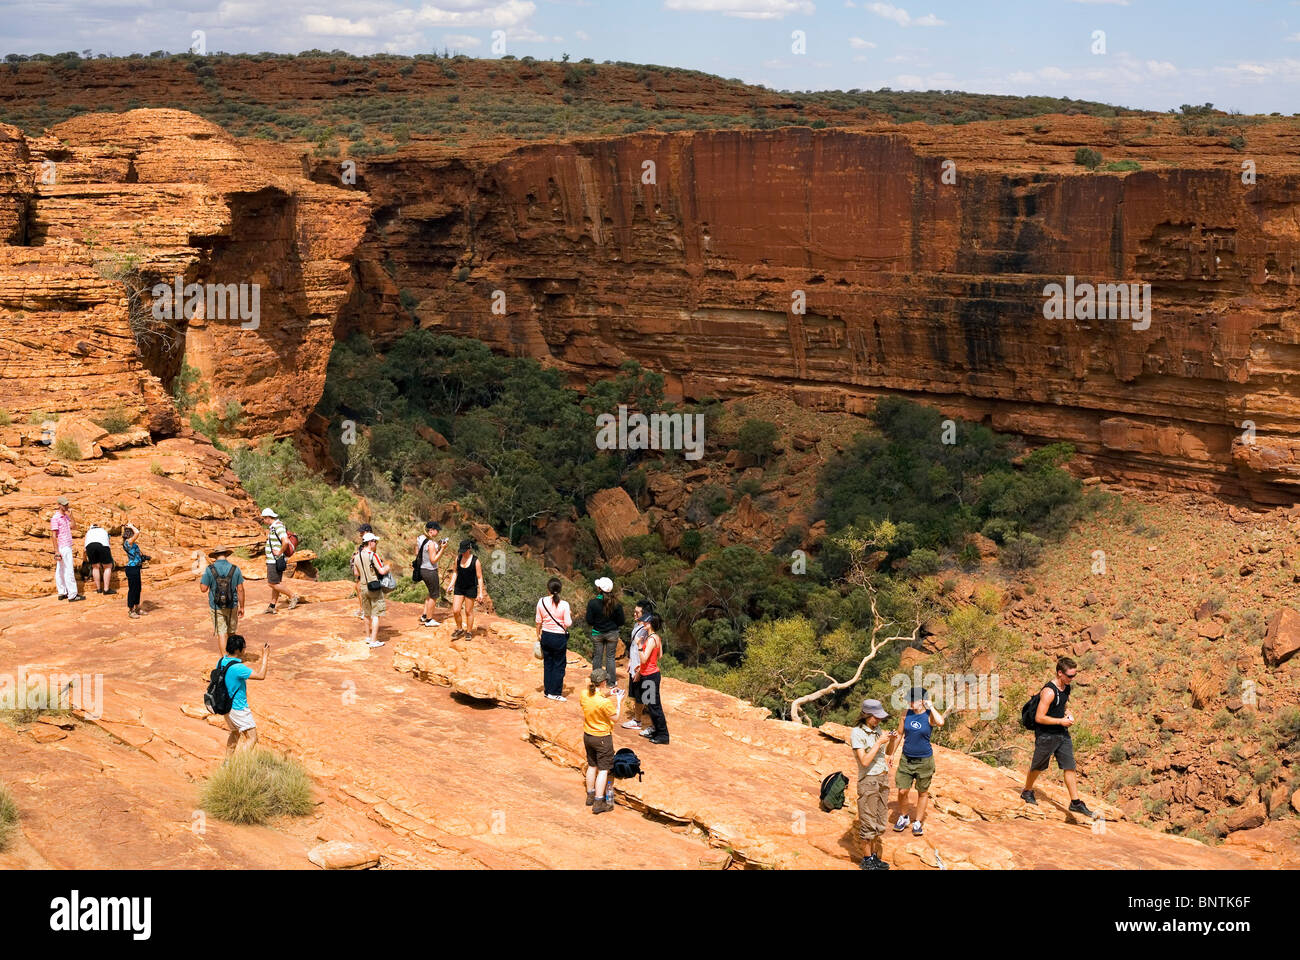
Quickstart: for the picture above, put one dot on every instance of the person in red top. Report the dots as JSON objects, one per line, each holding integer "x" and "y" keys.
{"x": 649, "y": 646}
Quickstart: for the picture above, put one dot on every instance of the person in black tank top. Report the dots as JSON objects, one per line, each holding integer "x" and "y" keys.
{"x": 465, "y": 579}
{"x": 1052, "y": 736}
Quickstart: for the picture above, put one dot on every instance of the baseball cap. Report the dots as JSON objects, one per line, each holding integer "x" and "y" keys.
{"x": 875, "y": 708}
{"x": 369, "y": 537}
{"x": 268, "y": 512}
{"x": 599, "y": 675}
{"x": 63, "y": 501}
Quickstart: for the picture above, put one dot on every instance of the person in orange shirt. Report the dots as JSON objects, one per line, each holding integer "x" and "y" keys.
{"x": 599, "y": 712}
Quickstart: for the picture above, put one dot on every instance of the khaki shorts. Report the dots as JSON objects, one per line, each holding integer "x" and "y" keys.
{"x": 873, "y": 805}
{"x": 919, "y": 770}
{"x": 372, "y": 604}
{"x": 225, "y": 622}
{"x": 240, "y": 720}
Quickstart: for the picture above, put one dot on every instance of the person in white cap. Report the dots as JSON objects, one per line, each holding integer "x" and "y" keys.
{"x": 873, "y": 748}
{"x": 605, "y": 617}
{"x": 276, "y": 561}
{"x": 65, "y": 577}
{"x": 372, "y": 601}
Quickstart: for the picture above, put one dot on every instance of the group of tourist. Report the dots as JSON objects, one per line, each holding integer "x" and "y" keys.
{"x": 875, "y": 750}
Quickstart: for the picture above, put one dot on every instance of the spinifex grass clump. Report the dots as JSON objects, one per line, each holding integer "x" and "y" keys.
{"x": 256, "y": 786}
{"x": 8, "y": 817}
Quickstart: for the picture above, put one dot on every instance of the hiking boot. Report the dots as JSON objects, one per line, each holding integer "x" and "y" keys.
{"x": 917, "y": 829}
{"x": 134, "y": 614}
{"x": 293, "y": 602}
{"x": 881, "y": 865}
{"x": 1078, "y": 806}
{"x": 868, "y": 863}
{"x": 591, "y": 798}
{"x": 1028, "y": 797}
{"x": 270, "y": 609}
{"x": 600, "y": 806}
{"x": 901, "y": 823}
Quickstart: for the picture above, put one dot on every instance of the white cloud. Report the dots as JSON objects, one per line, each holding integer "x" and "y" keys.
{"x": 902, "y": 17}
{"x": 582, "y": 35}
{"x": 321, "y": 25}
{"x": 462, "y": 40}
{"x": 857, "y": 43}
{"x": 1161, "y": 68}
{"x": 746, "y": 9}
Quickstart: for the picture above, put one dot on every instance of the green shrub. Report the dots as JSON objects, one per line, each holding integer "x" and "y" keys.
{"x": 1087, "y": 157}
{"x": 116, "y": 420}
{"x": 1121, "y": 166}
{"x": 256, "y": 786}
{"x": 8, "y": 817}
{"x": 757, "y": 439}
{"x": 65, "y": 448}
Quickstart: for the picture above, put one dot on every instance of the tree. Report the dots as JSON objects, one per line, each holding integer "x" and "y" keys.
{"x": 757, "y": 439}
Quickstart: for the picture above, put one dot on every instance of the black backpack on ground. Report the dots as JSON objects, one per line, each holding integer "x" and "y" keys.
{"x": 626, "y": 764}
{"x": 218, "y": 699}
{"x": 832, "y": 795}
{"x": 223, "y": 588}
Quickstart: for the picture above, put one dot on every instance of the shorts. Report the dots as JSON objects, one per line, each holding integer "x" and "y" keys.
{"x": 873, "y": 805}
{"x": 431, "y": 583}
{"x": 272, "y": 574}
{"x": 225, "y": 622}
{"x": 600, "y": 751}
{"x": 914, "y": 769}
{"x": 1048, "y": 745}
{"x": 372, "y": 603}
{"x": 634, "y": 692}
{"x": 97, "y": 553}
{"x": 240, "y": 720}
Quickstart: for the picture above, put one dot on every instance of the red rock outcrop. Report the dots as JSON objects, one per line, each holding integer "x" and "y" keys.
{"x": 912, "y": 284}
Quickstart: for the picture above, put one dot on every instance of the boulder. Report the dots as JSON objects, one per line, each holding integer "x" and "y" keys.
{"x": 85, "y": 434}
{"x": 1282, "y": 640}
{"x": 1209, "y": 629}
{"x": 616, "y": 518}
{"x": 344, "y": 855}
{"x": 1246, "y": 818}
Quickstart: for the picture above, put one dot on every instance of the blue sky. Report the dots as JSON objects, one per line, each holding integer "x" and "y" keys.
{"x": 1238, "y": 54}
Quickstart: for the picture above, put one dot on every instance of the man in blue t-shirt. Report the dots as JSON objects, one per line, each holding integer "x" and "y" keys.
{"x": 240, "y": 718}
{"x": 225, "y": 601}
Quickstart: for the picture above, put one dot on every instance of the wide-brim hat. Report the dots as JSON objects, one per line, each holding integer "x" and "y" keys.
{"x": 217, "y": 551}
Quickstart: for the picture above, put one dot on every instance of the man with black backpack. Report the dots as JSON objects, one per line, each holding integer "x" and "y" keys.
{"x": 1051, "y": 725}
{"x": 223, "y": 582}
{"x": 228, "y": 692}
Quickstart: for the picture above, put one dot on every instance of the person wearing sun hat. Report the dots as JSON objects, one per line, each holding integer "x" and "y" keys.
{"x": 373, "y": 606}
{"x": 605, "y": 617}
{"x": 223, "y": 582}
{"x": 873, "y": 748}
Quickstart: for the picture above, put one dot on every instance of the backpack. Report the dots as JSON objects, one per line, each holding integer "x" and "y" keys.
{"x": 223, "y": 588}
{"x": 832, "y": 795}
{"x": 1030, "y": 710}
{"x": 218, "y": 699}
{"x": 288, "y": 544}
{"x": 626, "y": 764}
{"x": 419, "y": 559}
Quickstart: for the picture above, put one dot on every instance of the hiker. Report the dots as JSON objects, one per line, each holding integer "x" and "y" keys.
{"x": 100, "y": 558}
{"x": 465, "y": 578}
{"x": 240, "y": 718}
{"x": 428, "y": 550}
{"x": 223, "y": 582}
{"x": 648, "y": 670}
{"x": 554, "y": 618}
{"x": 636, "y": 709}
{"x": 873, "y": 749}
{"x": 1052, "y": 736}
{"x": 605, "y": 616}
{"x": 917, "y": 762}
{"x": 134, "y": 561}
{"x": 373, "y": 605}
{"x": 598, "y": 715}
{"x": 356, "y": 568}
{"x": 276, "y": 561}
{"x": 65, "y": 573}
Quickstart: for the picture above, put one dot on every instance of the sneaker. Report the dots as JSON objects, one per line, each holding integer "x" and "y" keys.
{"x": 554, "y": 696}
{"x": 917, "y": 829}
{"x": 632, "y": 725}
{"x": 293, "y": 602}
{"x": 423, "y": 620}
{"x": 659, "y": 740}
{"x": 77, "y": 597}
{"x": 270, "y": 609}
{"x": 361, "y": 615}
{"x": 431, "y": 623}
{"x": 600, "y": 806}
{"x": 647, "y": 733}
{"x": 881, "y": 865}
{"x": 868, "y": 863}
{"x": 561, "y": 698}
{"x": 1028, "y": 797}
{"x": 1078, "y": 806}
{"x": 109, "y": 593}
{"x": 134, "y": 614}
{"x": 63, "y": 596}
{"x": 374, "y": 643}
{"x": 901, "y": 823}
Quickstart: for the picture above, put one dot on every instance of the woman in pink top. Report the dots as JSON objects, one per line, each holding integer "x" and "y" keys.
{"x": 553, "y": 622}
{"x": 650, "y": 646}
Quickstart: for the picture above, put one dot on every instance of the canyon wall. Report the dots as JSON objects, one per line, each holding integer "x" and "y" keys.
{"x": 92, "y": 216}
{"x": 684, "y": 251}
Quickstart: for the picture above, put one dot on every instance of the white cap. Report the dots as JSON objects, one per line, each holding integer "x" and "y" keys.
{"x": 604, "y": 584}
{"x": 268, "y": 512}
{"x": 368, "y": 537}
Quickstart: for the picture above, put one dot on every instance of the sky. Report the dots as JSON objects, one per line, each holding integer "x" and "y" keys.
{"x": 1153, "y": 54}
